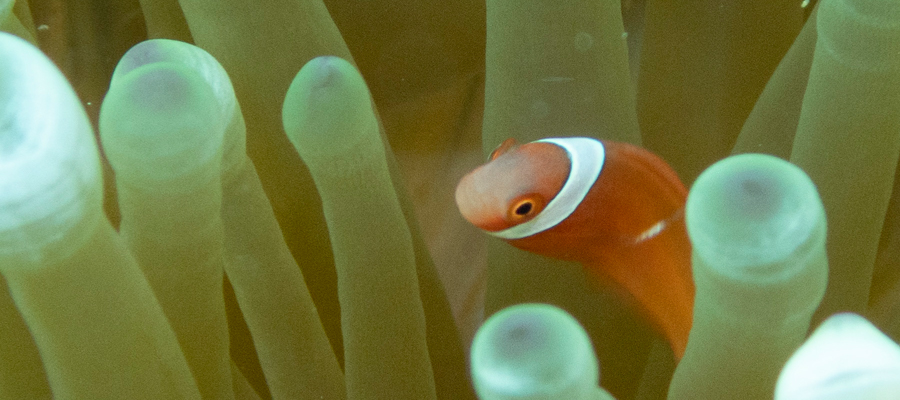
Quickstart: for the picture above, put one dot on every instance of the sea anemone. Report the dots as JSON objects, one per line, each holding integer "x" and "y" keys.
{"x": 693, "y": 82}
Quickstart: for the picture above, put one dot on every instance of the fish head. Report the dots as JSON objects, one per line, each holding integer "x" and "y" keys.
{"x": 514, "y": 186}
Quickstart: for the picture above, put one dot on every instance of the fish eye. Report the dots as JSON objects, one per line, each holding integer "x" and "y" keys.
{"x": 524, "y": 208}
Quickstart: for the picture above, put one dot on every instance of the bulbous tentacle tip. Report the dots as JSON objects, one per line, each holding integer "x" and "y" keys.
{"x": 327, "y": 110}
{"x": 845, "y": 357}
{"x": 161, "y": 125}
{"x": 533, "y": 349}
{"x": 50, "y": 181}
{"x": 323, "y": 71}
{"x": 752, "y": 209}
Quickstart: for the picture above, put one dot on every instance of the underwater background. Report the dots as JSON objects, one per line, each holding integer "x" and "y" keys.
{"x": 687, "y": 80}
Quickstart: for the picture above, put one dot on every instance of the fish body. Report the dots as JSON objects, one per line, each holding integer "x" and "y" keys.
{"x": 614, "y": 207}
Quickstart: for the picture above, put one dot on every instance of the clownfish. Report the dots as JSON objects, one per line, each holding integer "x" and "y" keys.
{"x": 616, "y": 208}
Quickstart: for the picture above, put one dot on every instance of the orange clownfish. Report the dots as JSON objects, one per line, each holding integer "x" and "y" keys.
{"x": 614, "y": 207}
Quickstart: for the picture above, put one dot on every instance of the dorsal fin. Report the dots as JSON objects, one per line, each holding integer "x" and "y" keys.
{"x": 502, "y": 148}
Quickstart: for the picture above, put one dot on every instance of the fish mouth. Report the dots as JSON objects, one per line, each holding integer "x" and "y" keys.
{"x": 477, "y": 206}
